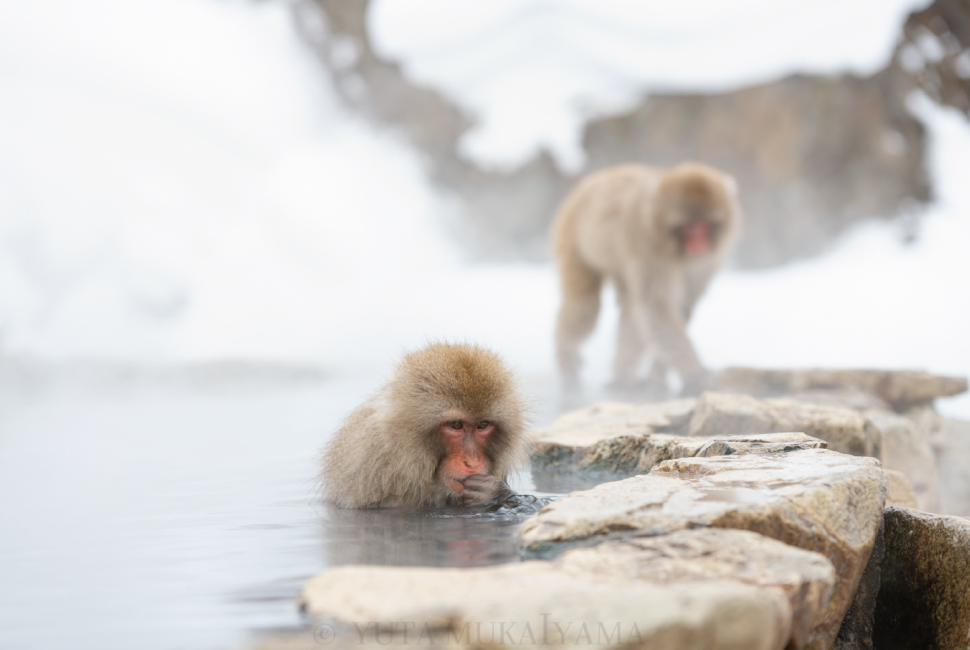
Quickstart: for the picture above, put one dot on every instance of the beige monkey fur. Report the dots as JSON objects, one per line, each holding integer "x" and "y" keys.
{"x": 388, "y": 450}
{"x": 619, "y": 225}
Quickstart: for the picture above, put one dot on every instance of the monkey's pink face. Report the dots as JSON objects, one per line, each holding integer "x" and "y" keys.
{"x": 696, "y": 237}
{"x": 465, "y": 442}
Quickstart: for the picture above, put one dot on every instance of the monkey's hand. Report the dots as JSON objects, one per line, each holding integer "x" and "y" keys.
{"x": 484, "y": 489}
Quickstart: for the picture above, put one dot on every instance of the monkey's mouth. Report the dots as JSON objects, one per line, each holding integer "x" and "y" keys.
{"x": 459, "y": 481}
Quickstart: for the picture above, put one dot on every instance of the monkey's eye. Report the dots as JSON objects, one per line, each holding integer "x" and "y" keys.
{"x": 457, "y": 424}
{"x": 483, "y": 424}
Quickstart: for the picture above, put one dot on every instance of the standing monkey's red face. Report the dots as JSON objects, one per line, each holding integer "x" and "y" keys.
{"x": 465, "y": 441}
{"x": 695, "y": 237}
{"x": 696, "y": 207}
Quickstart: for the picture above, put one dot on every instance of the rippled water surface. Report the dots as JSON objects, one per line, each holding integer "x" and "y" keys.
{"x": 179, "y": 514}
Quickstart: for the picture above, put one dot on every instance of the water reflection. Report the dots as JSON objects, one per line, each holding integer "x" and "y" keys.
{"x": 456, "y": 537}
{"x": 181, "y": 511}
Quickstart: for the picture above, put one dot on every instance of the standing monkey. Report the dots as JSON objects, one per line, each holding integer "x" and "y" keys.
{"x": 446, "y": 430}
{"x": 659, "y": 236}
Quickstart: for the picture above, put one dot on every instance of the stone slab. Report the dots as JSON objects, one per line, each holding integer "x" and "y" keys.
{"x": 616, "y": 437}
{"x": 950, "y": 441}
{"x": 813, "y": 499}
{"x": 761, "y": 444}
{"x": 924, "y": 598}
{"x": 856, "y": 630}
{"x": 728, "y": 414}
{"x": 540, "y": 603}
{"x": 903, "y": 446}
{"x": 806, "y": 579}
{"x": 900, "y": 388}
{"x": 900, "y": 491}
{"x": 622, "y": 439}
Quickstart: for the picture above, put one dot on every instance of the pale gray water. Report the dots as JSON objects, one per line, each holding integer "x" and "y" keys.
{"x": 178, "y": 512}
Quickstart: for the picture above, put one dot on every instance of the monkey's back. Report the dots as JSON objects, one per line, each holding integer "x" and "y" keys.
{"x": 347, "y": 459}
{"x": 607, "y": 212}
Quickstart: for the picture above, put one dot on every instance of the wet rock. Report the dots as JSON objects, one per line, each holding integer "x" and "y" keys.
{"x": 901, "y": 389}
{"x": 619, "y": 454}
{"x": 807, "y": 579}
{"x": 625, "y": 417}
{"x": 620, "y": 439}
{"x": 900, "y": 490}
{"x": 813, "y": 499}
{"x": 855, "y": 633}
{"x": 954, "y": 459}
{"x": 924, "y": 599}
{"x": 728, "y": 414}
{"x": 541, "y": 603}
{"x": 760, "y": 444}
{"x": 905, "y": 447}
{"x": 616, "y": 437}
{"x": 897, "y": 441}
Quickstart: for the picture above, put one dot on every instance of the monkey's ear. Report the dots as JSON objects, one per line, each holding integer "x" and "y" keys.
{"x": 731, "y": 185}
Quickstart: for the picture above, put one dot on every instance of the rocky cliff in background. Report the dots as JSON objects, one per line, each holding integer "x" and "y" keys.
{"x": 813, "y": 154}
{"x": 505, "y": 214}
{"x": 884, "y": 414}
{"x": 935, "y": 49}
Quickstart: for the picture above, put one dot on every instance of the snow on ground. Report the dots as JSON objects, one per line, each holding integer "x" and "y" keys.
{"x": 532, "y": 71}
{"x": 178, "y": 183}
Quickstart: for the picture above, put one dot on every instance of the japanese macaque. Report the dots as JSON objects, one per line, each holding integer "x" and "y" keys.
{"x": 659, "y": 236}
{"x": 447, "y": 429}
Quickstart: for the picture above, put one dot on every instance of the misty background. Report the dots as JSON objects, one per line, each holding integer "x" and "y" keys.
{"x": 183, "y": 182}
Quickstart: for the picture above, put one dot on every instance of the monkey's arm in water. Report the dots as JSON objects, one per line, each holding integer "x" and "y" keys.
{"x": 484, "y": 490}
{"x": 493, "y": 492}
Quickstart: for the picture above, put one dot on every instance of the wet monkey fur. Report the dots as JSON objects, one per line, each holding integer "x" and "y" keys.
{"x": 447, "y": 429}
{"x": 658, "y": 236}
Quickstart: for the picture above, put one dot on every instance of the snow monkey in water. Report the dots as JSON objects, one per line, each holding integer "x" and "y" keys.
{"x": 659, "y": 236}
{"x": 447, "y": 429}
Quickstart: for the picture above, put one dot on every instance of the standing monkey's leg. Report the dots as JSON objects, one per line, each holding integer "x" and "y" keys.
{"x": 655, "y": 385}
{"x": 630, "y": 343}
{"x": 674, "y": 347}
{"x": 577, "y": 317}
